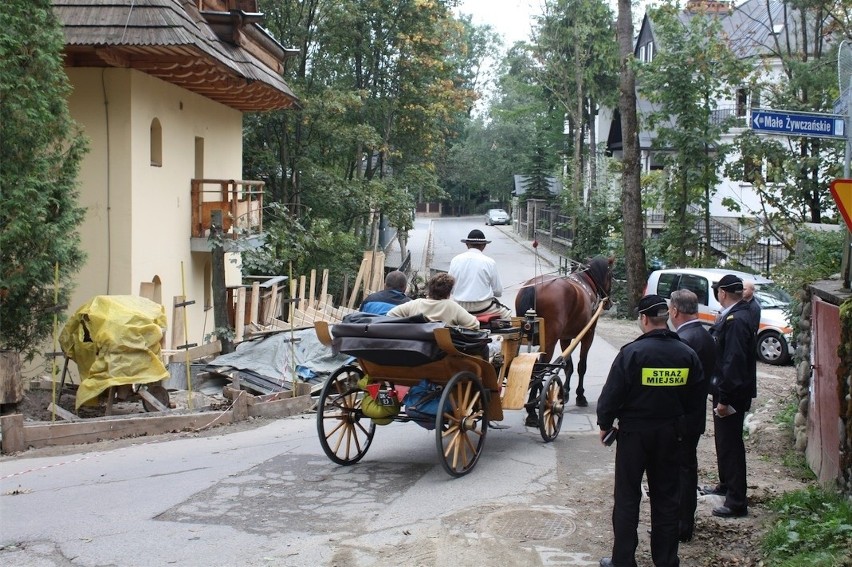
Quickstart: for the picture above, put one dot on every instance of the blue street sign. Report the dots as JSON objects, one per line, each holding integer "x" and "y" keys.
{"x": 797, "y": 123}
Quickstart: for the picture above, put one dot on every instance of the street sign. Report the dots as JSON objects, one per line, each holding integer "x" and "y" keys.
{"x": 797, "y": 123}
{"x": 841, "y": 190}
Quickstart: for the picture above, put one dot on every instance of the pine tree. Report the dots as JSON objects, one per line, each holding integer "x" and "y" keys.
{"x": 40, "y": 154}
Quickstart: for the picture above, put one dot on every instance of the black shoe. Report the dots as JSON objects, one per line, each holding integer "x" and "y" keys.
{"x": 531, "y": 421}
{"x": 725, "y": 512}
{"x": 685, "y": 537}
{"x": 606, "y": 562}
{"x": 715, "y": 490}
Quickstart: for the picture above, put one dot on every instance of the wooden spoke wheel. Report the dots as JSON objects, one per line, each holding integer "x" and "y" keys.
{"x": 160, "y": 393}
{"x": 551, "y": 408}
{"x": 344, "y": 432}
{"x": 461, "y": 423}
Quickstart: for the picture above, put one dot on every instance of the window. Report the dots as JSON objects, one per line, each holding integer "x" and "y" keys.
{"x": 695, "y": 284}
{"x": 666, "y": 285}
{"x": 742, "y": 102}
{"x": 752, "y": 169}
{"x": 156, "y": 143}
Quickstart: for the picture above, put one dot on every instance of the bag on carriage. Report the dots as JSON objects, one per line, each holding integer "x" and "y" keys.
{"x": 421, "y": 403}
{"x": 379, "y": 404}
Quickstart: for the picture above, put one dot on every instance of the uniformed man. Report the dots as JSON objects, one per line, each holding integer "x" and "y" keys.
{"x": 647, "y": 390}
{"x": 734, "y": 386}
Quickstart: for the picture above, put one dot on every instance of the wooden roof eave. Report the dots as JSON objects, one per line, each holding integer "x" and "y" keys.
{"x": 189, "y": 68}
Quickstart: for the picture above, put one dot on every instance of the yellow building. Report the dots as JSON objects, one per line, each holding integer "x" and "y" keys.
{"x": 160, "y": 88}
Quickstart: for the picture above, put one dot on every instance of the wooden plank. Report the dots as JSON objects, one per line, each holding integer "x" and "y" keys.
{"x": 518, "y": 383}
{"x": 240, "y": 315}
{"x": 95, "y": 429}
{"x": 62, "y": 412}
{"x": 367, "y": 281}
{"x": 302, "y": 294}
{"x": 178, "y": 333}
{"x": 255, "y": 302}
{"x": 281, "y": 408}
{"x": 312, "y": 289}
{"x": 273, "y": 302}
{"x": 324, "y": 286}
{"x": 195, "y": 353}
{"x": 361, "y": 270}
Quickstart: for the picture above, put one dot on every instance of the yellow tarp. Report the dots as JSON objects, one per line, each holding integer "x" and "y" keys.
{"x": 115, "y": 340}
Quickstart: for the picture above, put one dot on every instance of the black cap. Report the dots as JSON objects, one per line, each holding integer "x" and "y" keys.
{"x": 475, "y": 237}
{"x": 653, "y": 306}
{"x": 729, "y": 283}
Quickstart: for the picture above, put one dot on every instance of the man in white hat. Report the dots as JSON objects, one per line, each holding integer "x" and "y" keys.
{"x": 477, "y": 282}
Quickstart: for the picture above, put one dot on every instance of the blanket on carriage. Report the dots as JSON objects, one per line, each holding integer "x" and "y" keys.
{"x": 395, "y": 341}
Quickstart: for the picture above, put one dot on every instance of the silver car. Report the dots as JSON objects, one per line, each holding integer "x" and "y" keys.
{"x": 497, "y": 216}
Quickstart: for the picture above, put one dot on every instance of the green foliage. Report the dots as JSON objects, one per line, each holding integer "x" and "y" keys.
{"x": 40, "y": 154}
{"x": 813, "y": 527}
{"x": 693, "y": 69}
{"x": 295, "y": 245}
{"x": 817, "y": 256}
{"x": 383, "y": 86}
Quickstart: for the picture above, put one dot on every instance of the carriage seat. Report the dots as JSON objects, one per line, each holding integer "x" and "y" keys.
{"x": 388, "y": 344}
{"x": 400, "y": 344}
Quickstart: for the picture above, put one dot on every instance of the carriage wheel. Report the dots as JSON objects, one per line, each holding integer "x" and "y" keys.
{"x": 551, "y": 408}
{"x": 461, "y": 427}
{"x": 344, "y": 433}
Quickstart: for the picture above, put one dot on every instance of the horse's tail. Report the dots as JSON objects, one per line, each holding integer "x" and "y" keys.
{"x": 525, "y": 300}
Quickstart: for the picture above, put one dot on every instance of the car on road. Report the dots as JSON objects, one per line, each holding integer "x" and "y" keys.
{"x": 774, "y": 337}
{"x": 497, "y": 216}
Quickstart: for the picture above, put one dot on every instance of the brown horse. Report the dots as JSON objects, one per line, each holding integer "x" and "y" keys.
{"x": 567, "y": 304}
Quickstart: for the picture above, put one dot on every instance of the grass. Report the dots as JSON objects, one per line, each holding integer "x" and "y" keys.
{"x": 813, "y": 527}
{"x": 787, "y": 415}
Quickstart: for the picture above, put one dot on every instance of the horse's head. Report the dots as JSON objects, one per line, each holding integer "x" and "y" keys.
{"x": 600, "y": 270}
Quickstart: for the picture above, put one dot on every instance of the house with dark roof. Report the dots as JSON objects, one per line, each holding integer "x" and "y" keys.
{"x": 756, "y": 30}
{"x": 160, "y": 88}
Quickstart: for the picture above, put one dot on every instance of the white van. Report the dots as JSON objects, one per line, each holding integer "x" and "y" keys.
{"x": 774, "y": 339}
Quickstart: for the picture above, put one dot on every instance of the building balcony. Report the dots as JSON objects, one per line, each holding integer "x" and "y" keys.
{"x": 241, "y": 205}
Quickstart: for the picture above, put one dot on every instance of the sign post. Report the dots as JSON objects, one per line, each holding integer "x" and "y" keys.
{"x": 790, "y": 123}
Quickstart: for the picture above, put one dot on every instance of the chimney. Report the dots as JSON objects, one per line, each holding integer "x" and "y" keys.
{"x": 708, "y": 6}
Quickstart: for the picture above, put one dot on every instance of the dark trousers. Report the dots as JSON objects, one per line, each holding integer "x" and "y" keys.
{"x": 656, "y": 453}
{"x": 688, "y": 483}
{"x": 731, "y": 457}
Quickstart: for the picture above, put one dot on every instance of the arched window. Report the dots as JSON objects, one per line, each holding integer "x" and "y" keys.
{"x": 156, "y": 143}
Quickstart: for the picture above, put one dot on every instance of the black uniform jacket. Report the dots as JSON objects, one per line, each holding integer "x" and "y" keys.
{"x": 649, "y": 383}
{"x": 701, "y": 341}
{"x": 735, "y": 378}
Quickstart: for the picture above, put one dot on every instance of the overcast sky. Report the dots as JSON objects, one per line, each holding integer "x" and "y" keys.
{"x": 513, "y": 18}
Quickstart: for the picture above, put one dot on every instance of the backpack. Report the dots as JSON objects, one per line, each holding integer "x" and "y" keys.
{"x": 421, "y": 403}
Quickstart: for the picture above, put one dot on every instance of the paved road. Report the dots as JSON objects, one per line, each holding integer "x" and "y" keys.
{"x": 269, "y": 496}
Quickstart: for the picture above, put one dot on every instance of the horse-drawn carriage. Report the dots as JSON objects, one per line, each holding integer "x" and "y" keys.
{"x": 450, "y": 390}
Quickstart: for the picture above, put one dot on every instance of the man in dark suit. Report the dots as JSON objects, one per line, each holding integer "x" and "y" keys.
{"x": 734, "y": 386}
{"x": 683, "y": 313}
{"x": 754, "y": 307}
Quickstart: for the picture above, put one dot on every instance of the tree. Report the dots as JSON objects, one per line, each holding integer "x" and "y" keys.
{"x": 631, "y": 191}
{"x": 382, "y": 85}
{"x": 693, "y": 69}
{"x": 791, "y": 176}
{"x": 40, "y": 155}
{"x": 577, "y": 63}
